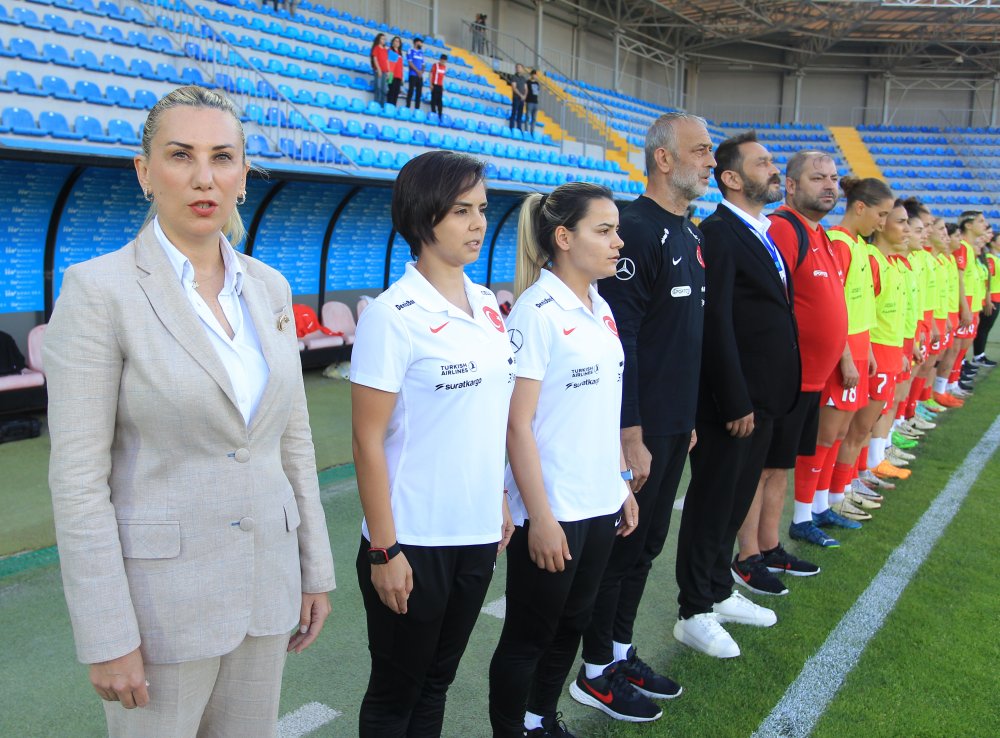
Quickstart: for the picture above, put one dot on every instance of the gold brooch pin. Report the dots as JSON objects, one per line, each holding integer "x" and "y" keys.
{"x": 283, "y": 321}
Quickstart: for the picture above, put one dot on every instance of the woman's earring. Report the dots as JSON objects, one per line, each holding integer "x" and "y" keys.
{"x": 241, "y": 198}
{"x": 147, "y": 195}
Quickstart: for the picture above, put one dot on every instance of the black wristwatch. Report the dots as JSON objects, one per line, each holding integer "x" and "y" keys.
{"x": 378, "y": 556}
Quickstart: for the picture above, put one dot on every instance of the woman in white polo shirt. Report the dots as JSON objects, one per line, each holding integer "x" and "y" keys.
{"x": 432, "y": 373}
{"x": 565, "y": 478}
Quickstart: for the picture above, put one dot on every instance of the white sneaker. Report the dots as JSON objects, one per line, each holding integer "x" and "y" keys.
{"x": 861, "y": 501}
{"x": 905, "y": 428}
{"x": 905, "y": 455}
{"x": 702, "y": 632}
{"x": 738, "y": 609}
{"x": 892, "y": 455}
{"x": 925, "y": 425}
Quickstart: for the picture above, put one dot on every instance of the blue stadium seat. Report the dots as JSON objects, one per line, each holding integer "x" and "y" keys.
{"x": 91, "y": 93}
{"x": 25, "y": 49}
{"x": 57, "y": 54}
{"x": 58, "y": 88}
{"x": 55, "y": 125}
{"x": 144, "y": 99}
{"x": 388, "y": 133}
{"x": 23, "y": 83}
{"x": 353, "y": 129}
{"x": 28, "y": 18}
{"x": 116, "y": 65}
{"x": 384, "y": 160}
{"x": 87, "y": 59}
{"x": 123, "y": 131}
{"x": 400, "y": 160}
{"x": 369, "y": 132}
{"x": 19, "y": 120}
{"x": 6, "y": 18}
{"x": 366, "y": 157}
{"x": 257, "y": 145}
{"x": 419, "y": 138}
{"x": 119, "y": 96}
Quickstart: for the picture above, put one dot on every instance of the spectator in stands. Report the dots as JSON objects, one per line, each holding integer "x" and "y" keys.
{"x": 531, "y": 101}
{"x": 749, "y": 379}
{"x": 182, "y": 472}
{"x": 657, "y": 297}
{"x": 518, "y": 94}
{"x": 567, "y": 497}
{"x": 379, "y": 58}
{"x": 395, "y": 59}
{"x": 432, "y": 369}
{"x": 479, "y": 34}
{"x": 415, "y": 72}
{"x": 438, "y": 70}
{"x": 811, "y": 192}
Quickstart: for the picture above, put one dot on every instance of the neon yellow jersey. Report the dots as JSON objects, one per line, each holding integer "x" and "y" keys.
{"x": 994, "y": 272}
{"x": 890, "y": 303}
{"x": 953, "y": 284}
{"x": 928, "y": 278}
{"x": 912, "y": 312}
{"x": 941, "y": 272}
{"x": 859, "y": 291}
{"x": 976, "y": 278}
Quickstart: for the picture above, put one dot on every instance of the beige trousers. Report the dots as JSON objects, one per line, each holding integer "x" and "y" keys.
{"x": 231, "y": 696}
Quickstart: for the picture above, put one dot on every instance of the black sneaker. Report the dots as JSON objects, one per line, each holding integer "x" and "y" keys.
{"x": 614, "y": 695}
{"x": 645, "y": 680}
{"x": 965, "y": 386}
{"x": 552, "y": 727}
{"x": 984, "y": 360}
{"x": 778, "y": 560}
{"x": 753, "y": 575}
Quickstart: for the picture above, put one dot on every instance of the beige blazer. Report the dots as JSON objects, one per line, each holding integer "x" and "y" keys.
{"x": 180, "y": 529}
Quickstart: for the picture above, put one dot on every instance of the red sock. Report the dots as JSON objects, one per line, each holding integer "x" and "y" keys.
{"x": 956, "y": 371}
{"x": 925, "y": 393}
{"x": 863, "y": 460}
{"x": 807, "y": 473}
{"x": 826, "y": 476}
{"x": 911, "y": 399}
{"x": 842, "y": 476}
{"x": 901, "y": 410}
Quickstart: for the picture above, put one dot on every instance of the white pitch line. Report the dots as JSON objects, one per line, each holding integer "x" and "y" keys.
{"x": 805, "y": 701}
{"x": 305, "y": 720}
{"x": 497, "y": 608}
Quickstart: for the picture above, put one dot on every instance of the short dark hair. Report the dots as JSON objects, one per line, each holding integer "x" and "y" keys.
{"x": 417, "y": 38}
{"x": 967, "y": 217}
{"x": 426, "y": 188}
{"x": 443, "y": 57}
{"x": 729, "y": 158}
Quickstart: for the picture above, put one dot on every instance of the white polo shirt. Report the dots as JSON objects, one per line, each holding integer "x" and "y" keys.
{"x": 577, "y": 356}
{"x": 454, "y": 376}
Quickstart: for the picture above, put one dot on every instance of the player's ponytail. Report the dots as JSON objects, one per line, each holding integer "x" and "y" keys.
{"x": 540, "y": 216}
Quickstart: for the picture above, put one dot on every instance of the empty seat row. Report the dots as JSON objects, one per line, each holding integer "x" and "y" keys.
{"x": 54, "y": 124}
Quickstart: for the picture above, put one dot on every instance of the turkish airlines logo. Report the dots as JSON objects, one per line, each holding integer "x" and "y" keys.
{"x": 494, "y": 317}
{"x": 625, "y": 269}
{"x": 610, "y": 323}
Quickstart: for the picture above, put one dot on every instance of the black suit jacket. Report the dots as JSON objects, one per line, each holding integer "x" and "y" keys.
{"x": 750, "y": 354}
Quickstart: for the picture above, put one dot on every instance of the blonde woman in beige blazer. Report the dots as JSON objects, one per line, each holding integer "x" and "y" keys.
{"x": 190, "y": 530}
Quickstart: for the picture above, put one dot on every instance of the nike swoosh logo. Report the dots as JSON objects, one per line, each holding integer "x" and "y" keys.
{"x": 744, "y": 577}
{"x": 677, "y": 260}
{"x": 814, "y": 470}
{"x": 640, "y": 682}
{"x": 567, "y": 331}
{"x": 605, "y": 698}
{"x": 436, "y": 330}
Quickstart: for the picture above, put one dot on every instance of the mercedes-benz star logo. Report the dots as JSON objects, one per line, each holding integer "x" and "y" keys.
{"x": 625, "y": 269}
{"x": 516, "y": 339}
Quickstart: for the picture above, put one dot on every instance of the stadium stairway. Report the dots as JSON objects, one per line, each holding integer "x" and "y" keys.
{"x": 616, "y": 148}
{"x": 856, "y": 152}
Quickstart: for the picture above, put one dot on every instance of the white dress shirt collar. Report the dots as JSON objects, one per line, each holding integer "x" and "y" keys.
{"x": 759, "y": 224}
{"x": 233, "y": 280}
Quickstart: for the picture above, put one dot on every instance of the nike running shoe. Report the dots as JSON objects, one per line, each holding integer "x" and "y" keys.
{"x": 984, "y": 360}
{"x": 753, "y": 575}
{"x": 860, "y": 501}
{"x": 907, "y": 431}
{"x": 552, "y": 727}
{"x": 778, "y": 561}
{"x": 933, "y": 405}
{"x": 874, "y": 483}
{"x": 828, "y": 518}
{"x": 862, "y": 490}
{"x": 920, "y": 424}
{"x": 925, "y": 414}
{"x": 905, "y": 455}
{"x": 964, "y": 388}
{"x": 893, "y": 457}
{"x": 901, "y": 441}
{"x": 849, "y": 511}
{"x": 887, "y": 471}
{"x": 614, "y": 695}
{"x": 646, "y": 681}
{"x": 808, "y": 531}
{"x": 946, "y": 400}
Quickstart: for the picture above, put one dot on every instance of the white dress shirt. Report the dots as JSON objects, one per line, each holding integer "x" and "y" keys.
{"x": 759, "y": 225}
{"x": 241, "y": 355}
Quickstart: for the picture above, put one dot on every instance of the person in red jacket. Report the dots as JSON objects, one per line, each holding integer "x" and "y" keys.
{"x": 438, "y": 71}
{"x": 379, "y": 58}
{"x": 821, "y": 313}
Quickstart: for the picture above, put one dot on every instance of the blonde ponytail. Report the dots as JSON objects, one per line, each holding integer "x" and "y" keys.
{"x": 530, "y": 256}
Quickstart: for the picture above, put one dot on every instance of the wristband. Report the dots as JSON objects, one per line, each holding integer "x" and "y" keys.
{"x": 379, "y": 556}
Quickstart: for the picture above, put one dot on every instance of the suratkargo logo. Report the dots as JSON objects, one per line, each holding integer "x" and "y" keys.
{"x": 465, "y": 367}
{"x": 625, "y": 269}
{"x": 610, "y": 323}
{"x": 460, "y": 385}
{"x": 516, "y": 339}
{"x": 494, "y": 317}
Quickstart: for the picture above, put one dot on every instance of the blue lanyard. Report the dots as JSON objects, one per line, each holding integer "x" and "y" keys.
{"x": 772, "y": 250}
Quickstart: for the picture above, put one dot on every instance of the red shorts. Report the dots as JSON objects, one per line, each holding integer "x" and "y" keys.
{"x": 889, "y": 362}
{"x": 974, "y": 328}
{"x": 907, "y": 361}
{"x": 963, "y": 333}
{"x": 838, "y": 396}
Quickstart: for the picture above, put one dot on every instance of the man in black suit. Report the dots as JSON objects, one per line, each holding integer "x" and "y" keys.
{"x": 750, "y": 375}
